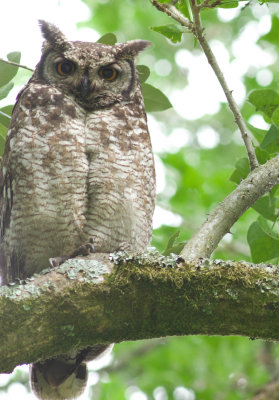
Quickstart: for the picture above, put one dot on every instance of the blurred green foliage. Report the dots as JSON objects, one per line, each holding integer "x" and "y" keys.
{"x": 213, "y": 367}
{"x": 196, "y": 179}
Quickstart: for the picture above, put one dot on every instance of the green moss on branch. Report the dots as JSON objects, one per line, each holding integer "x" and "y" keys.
{"x": 84, "y": 302}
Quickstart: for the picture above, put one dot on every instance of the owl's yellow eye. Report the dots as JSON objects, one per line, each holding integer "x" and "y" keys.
{"x": 65, "y": 67}
{"x": 108, "y": 73}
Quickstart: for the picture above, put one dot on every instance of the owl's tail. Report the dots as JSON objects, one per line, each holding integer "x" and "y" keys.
{"x": 63, "y": 377}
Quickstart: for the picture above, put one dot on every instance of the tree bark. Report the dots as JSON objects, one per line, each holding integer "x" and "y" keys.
{"x": 96, "y": 300}
{"x": 221, "y": 219}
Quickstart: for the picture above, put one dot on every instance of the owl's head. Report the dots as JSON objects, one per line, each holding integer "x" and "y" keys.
{"x": 95, "y": 74}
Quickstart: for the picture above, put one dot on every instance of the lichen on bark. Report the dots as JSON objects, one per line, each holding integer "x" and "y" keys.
{"x": 105, "y": 299}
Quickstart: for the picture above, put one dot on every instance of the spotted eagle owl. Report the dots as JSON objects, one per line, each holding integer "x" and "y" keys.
{"x": 78, "y": 164}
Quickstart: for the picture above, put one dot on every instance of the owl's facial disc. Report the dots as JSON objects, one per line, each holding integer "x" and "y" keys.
{"x": 95, "y": 87}
{"x": 86, "y": 91}
{"x": 85, "y": 87}
{"x": 94, "y": 84}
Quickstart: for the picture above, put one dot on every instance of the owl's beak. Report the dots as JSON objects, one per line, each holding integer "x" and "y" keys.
{"x": 85, "y": 87}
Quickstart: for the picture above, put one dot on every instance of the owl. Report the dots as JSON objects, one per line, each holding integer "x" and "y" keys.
{"x": 77, "y": 168}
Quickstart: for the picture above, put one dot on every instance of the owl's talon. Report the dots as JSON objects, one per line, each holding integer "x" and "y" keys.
{"x": 91, "y": 243}
{"x": 84, "y": 250}
{"x": 56, "y": 261}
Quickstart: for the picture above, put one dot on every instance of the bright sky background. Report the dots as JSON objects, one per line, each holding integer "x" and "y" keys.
{"x": 19, "y": 31}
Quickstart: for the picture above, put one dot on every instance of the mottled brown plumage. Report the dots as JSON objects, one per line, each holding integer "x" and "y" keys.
{"x": 77, "y": 164}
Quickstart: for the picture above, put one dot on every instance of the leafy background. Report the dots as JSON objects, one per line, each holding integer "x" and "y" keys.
{"x": 194, "y": 174}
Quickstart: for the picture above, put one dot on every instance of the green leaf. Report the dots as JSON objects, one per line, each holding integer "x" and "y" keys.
{"x": 170, "y": 243}
{"x": 275, "y": 117}
{"x": 228, "y": 4}
{"x": 154, "y": 99}
{"x": 172, "y": 239}
{"x": 265, "y": 100}
{"x": 176, "y": 248}
{"x": 14, "y": 56}
{"x": 273, "y": 34}
{"x": 5, "y": 115}
{"x": 274, "y": 261}
{"x": 184, "y": 7}
{"x": 257, "y": 133}
{"x": 7, "y": 71}
{"x": 262, "y": 245}
{"x": 271, "y": 139}
{"x": 262, "y": 155}
{"x": 5, "y": 90}
{"x": 274, "y": 193}
{"x": 171, "y": 31}
{"x": 3, "y": 134}
{"x": 241, "y": 171}
{"x": 269, "y": 227}
{"x": 144, "y": 72}
{"x": 108, "y": 38}
{"x": 266, "y": 207}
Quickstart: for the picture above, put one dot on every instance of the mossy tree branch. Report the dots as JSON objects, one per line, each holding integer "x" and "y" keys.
{"x": 84, "y": 302}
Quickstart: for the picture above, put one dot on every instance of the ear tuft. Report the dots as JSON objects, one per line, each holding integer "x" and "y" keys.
{"x": 53, "y": 36}
{"x": 132, "y": 48}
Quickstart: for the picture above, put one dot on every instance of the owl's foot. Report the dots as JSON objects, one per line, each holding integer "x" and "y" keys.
{"x": 56, "y": 261}
{"x": 83, "y": 250}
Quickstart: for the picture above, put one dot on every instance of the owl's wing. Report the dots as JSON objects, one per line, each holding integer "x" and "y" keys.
{"x": 6, "y": 204}
{"x": 6, "y": 198}
{"x": 6, "y": 195}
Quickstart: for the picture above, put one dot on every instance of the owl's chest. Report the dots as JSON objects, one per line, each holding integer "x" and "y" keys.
{"x": 115, "y": 147}
{"x": 120, "y": 180}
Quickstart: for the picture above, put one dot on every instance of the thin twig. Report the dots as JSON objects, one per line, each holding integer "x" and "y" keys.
{"x": 197, "y": 29}
{"x": 16, "y": 64}
{"x": 172, "y": 12}
{"x": 199, "y": 32}
{"x": 5, "y": 115}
